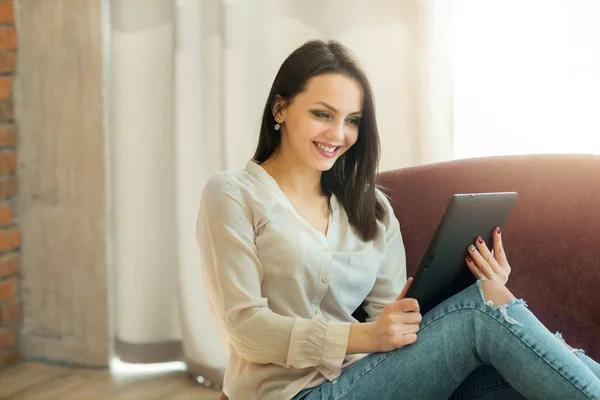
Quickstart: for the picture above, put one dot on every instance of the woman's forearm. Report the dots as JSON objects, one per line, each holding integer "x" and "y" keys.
{"x": 361, "y": 339}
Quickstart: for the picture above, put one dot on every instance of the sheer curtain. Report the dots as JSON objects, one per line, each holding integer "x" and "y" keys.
{"x": 188, "y": 81}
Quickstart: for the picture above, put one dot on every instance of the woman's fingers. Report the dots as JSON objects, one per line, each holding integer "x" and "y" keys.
{"x": 473, "y": 267}
{"x": 407, "y": 339}
{"x": 499, "y": 253}
{"x": 406, "y": 306}
{"x": 410, "y": 328}
{"x": 404, "y": 289}
{"x": 500, "y": 256}
{"x": 487, "y": 255}
{"x": 484, "y": 263}
{"x": 413, "y": 318}
{"x": 481, "y": 263}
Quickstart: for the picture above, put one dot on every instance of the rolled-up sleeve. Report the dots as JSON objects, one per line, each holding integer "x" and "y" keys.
{"x": 391, "y": 276}
{"x": 233, "y": 275}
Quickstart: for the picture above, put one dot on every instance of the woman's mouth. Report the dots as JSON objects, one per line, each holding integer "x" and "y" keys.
{"x": 326, "y": 150}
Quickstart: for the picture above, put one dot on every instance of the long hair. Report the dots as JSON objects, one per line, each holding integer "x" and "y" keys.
{"x": 353, "y": 176}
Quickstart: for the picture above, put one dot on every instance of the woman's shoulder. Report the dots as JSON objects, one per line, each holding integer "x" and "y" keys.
{"x": 389, "y": 219}
{"x": 224, "y": 180}
{"x": 234, "y": 184}
{"x": 383, "y": 198}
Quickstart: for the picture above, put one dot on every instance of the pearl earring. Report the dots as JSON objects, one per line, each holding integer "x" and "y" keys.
{"x": 277, "y": 126}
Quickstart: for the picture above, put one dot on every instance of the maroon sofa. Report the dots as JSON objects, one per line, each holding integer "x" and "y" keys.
{"x": 552, "y": 236}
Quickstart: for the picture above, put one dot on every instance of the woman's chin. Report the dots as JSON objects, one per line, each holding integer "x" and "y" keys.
{"x": 324, "y": 165}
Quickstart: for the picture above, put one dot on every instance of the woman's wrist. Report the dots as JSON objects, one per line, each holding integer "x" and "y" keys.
{"x": 361, "y": 338}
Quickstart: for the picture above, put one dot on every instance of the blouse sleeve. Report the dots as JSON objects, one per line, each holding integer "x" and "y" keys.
{"x": 391, "y": 276}
{"x": 233, "y": 274}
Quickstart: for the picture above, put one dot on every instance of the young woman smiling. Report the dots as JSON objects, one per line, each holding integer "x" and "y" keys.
{"x": 299, "y": 239}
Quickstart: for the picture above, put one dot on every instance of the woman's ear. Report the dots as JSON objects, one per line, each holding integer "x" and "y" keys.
{"x": 278, "y": 108}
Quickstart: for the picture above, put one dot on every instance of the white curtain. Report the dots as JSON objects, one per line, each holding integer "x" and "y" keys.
{"x": 142, "y": 181}
{"x": 188, "y": 83}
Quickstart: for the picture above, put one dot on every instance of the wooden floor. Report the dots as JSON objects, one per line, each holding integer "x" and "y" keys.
{"x": 32, "y": 381}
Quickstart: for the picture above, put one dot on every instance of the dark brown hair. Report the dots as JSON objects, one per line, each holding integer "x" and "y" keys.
{"x": 352, "y": 177}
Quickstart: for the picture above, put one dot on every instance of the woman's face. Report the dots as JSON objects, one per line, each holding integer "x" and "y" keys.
{"x": 321, "y": 123}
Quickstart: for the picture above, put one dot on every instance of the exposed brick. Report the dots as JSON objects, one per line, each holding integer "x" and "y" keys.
{"x": 9, "y": 264}
{"x": 5, "y": 215}
{"x": 8, "y": 61}
{"x": 7, "y": 12}
{"x": 8, "y": 187}
{"x": 8, "y": 38}
{"x": 8, "y": 337}
{"x": 9, "y": 357}
{"x": 10, "y": 239}
{"x": 6, "y": 110}
{"x": 11, "y": 312}
{"x": 6, "y": 84}
{"x": 8, "y": 162}
{"x": 11, "y": 308}
{"x": 8, "y": 135}
{"x": 8, "y": 289}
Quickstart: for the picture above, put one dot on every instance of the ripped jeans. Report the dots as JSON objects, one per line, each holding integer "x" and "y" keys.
{"x": 469, "y": 349}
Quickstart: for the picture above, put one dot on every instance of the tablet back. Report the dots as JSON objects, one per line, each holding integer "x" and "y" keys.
{"x": 443, "y": 271}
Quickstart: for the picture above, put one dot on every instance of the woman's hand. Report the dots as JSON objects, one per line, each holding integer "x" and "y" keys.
{"x": 397, "y": 325}
{"x": 489, "y": 265}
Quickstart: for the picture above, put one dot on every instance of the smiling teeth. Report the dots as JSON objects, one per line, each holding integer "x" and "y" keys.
{"x": 325, "y": 148}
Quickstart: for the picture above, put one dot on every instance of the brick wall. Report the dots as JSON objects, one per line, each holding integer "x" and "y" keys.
{"x": 10, "y": 304}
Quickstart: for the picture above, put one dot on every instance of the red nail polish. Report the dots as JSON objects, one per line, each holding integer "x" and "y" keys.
{"x": 498, "y": 231}
{"x": 480, "y": 240}
{"x": 469, "y": 259}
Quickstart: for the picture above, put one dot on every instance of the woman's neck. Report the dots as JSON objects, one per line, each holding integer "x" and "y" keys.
{"x": 293, "y": 177}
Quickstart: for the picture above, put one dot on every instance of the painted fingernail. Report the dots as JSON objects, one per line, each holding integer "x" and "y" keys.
{"x": 469, "y": 259}
{"x": 472, "y": 248}
{"x": 480, "y": 240}
{"x": 498, "y": 231}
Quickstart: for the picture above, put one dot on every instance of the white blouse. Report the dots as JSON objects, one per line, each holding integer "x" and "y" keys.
{"x": 281, "y": 292}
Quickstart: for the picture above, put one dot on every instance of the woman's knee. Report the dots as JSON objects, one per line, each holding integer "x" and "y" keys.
{"x": 497, "y": 293}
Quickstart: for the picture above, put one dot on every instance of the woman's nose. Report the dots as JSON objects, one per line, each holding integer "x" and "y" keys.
{"x": 338, "y": 133}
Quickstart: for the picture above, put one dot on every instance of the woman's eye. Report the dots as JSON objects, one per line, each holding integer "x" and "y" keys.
{"x": 354, "y": 121}
{"x": 321, "y": 114}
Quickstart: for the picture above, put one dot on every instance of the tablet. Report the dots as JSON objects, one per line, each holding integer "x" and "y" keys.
{"x": 443, "y": 271}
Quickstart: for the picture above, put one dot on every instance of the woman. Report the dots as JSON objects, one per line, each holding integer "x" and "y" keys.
{"x": 302, "y": 237}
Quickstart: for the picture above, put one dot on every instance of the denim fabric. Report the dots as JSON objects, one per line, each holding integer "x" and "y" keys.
{"x": 459, "y": 342}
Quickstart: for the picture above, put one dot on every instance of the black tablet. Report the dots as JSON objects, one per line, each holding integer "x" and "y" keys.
{"x": 443, "y": 271}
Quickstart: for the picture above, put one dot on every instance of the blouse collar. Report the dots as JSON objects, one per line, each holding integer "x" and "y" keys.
{"x": 266, "y": 179}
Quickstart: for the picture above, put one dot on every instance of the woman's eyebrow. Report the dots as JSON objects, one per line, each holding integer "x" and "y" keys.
{"x": 332, "y": 108}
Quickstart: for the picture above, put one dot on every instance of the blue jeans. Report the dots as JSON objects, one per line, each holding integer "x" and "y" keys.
{"x": 468, "y": 349}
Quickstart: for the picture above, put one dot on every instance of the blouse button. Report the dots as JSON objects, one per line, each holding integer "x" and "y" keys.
{"x": 325, "y": 278}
